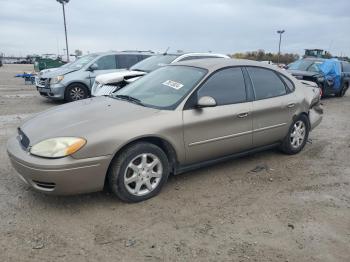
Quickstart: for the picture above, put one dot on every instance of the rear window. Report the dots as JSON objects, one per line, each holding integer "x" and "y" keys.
{"x": 288, "y": 82}
{"x": 154, "y": 62}
{"x": 266, "y": 83}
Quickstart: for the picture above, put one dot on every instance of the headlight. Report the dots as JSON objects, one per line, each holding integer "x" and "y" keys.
{"x": 320, "y": 79}
{"x": 58, "y": 147}
{"x": 56, "y": 79}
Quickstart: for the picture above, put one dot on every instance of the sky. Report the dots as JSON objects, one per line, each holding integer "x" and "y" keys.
{"x": 223, "y": 26}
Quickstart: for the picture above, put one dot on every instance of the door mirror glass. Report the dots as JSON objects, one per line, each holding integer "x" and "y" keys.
{"x": 206, "y": 101}
{"x": 93, "y": 67}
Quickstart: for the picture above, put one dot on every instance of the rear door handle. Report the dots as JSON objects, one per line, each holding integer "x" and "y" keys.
{"x": 242, "y": 115}
{"x": 291, "y": 105}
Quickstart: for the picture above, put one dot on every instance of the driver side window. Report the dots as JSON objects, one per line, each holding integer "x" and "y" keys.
{"x": 225, "y": 86}
{"x": 106, "y": 62}
{"x": 313, "y": 68}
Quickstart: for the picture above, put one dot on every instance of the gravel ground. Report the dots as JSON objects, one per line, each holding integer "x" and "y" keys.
{"x": 292, "y": 208}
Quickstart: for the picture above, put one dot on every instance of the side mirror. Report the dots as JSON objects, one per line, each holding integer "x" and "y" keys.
{"x": 93, "y": 67}
{"x": 206, "y": 101}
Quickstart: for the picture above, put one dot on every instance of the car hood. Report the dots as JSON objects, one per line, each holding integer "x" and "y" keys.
{"x": 58, "y": 72}
{"x": 303, "y": 73}
{"x": 117, "y": 77}
{"x": 83, "y": 118}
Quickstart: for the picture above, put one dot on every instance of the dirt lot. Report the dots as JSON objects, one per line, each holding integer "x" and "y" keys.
{"x": 292, "y": 208}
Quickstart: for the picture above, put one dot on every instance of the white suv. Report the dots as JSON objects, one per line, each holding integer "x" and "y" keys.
{"x": 106, "y": 84}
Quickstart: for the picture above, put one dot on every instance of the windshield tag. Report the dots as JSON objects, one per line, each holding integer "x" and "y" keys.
{"x": 173, "y": 84}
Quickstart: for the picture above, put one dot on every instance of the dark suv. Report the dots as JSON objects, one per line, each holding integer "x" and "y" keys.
{"x": 308, "y": 69}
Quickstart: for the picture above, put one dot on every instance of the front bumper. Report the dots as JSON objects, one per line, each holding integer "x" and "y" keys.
{"x": 55, "y": 92}
{"x": 63, "y": 176}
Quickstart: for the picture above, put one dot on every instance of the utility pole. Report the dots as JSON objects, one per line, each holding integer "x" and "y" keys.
{"x": 280, "y": 32}
{"x": 63, "y": 2}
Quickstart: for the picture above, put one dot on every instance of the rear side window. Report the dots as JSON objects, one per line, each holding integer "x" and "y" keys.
{"x": 106, "y": 62}
{"x": 225, "y": 86}
{"x": 126, "y": 61}
{"x": 346, "y": 67}
{"x": 288, "y": 82}
{"x": 266, "y": 83}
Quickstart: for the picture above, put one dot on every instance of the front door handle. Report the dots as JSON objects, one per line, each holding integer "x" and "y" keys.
{"x": 242, "y": 115}
{"x": 291, "y": 105}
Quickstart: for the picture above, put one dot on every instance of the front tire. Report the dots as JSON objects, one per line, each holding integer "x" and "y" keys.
{"x": 76, "y": 92}
{"x": 297, "y": 136}
{"x": 139, "y": 172}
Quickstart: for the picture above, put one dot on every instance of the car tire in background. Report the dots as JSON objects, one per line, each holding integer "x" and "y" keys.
{"x": 138, "y": 172}
{"x": 75, "y": 92}
{"x": 297, "y": 136}
{"x": 342, "y": 91}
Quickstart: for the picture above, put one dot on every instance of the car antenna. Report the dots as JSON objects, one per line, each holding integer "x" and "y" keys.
{"x": 166, "y": 51}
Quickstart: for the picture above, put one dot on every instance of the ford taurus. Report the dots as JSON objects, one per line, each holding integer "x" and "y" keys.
{"x": 176, "y": 118}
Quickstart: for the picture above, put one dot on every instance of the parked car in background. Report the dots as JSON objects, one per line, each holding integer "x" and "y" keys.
{"x": 176, "y": 118}
{"x": 332, "y": 76}
{"x": 74, "y": 81}
{"x": 44, "y": 71}
{"x": 47, "y": 61}
{"x": 108, "y": 83}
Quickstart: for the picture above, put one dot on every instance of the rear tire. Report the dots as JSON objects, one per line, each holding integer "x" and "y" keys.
{"x": 342, "y": 91}
{"x": 297, "y": 136}
{"x": 138, "y": 173}
{"x": 76, "y": 92}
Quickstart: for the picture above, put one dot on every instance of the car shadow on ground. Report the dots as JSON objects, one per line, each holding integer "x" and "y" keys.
{"x": 233, "y": 169}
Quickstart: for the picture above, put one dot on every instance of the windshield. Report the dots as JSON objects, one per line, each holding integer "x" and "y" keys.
{"x": 163, "y": 88}
{"x": 153, "y": 62}
{"x": 79, "y": 63}
{"x": 305, "y": 65}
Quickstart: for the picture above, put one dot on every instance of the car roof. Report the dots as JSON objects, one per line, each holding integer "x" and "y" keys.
{"x": 316, "y": 59}
{"x": 122, "y": 53}
{"x": 213, "y": 64}
{"x": 193, "y": 53}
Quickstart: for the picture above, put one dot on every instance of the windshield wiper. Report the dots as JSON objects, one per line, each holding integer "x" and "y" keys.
{"x": 138, "y": 70}
{"x": 129, "y": 98}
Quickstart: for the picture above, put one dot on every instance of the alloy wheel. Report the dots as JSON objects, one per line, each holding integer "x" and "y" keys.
{"x": 77, "y": 93}
{"x": 297, "y": 135}
{"x": 143, "y": 174}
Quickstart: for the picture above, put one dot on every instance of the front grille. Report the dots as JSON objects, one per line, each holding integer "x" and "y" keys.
{"x": 43, "y": 82}
{"x": 105, "y": 90}
{"x": 24, "y": 140}
{"x": 44, "y": 185}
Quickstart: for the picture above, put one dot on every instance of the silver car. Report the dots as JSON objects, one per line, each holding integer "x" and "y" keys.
{"x": 106, "y": 84}
{"x": 74, "y": 81}
{"x": 174, "y": 119}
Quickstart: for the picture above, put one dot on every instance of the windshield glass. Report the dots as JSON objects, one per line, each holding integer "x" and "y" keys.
{"x": 163, "y": 88}
{"x": 304, "y": 65}
{"x": 153, "y": 62}
{"x": 79, "y": 63}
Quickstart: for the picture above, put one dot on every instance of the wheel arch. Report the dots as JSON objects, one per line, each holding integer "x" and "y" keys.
{"x": 80, "y": 83}
{"x": 306, "y": 114}
{"x": 162, "y": 143}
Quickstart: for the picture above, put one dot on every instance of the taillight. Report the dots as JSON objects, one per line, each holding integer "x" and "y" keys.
{"x": 321, "y": 93}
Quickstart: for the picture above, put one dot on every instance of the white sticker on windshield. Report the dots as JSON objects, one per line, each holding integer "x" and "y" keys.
{"x": 173, "y": 84}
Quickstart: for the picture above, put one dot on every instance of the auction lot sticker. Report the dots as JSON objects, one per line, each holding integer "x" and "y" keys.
{"x": 173, "y": 84}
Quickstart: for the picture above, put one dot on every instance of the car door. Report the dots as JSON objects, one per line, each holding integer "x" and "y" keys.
{"x": 105, "y": 64}
{"x": 273, "y": 108}
{"x": 213, "y": 132}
